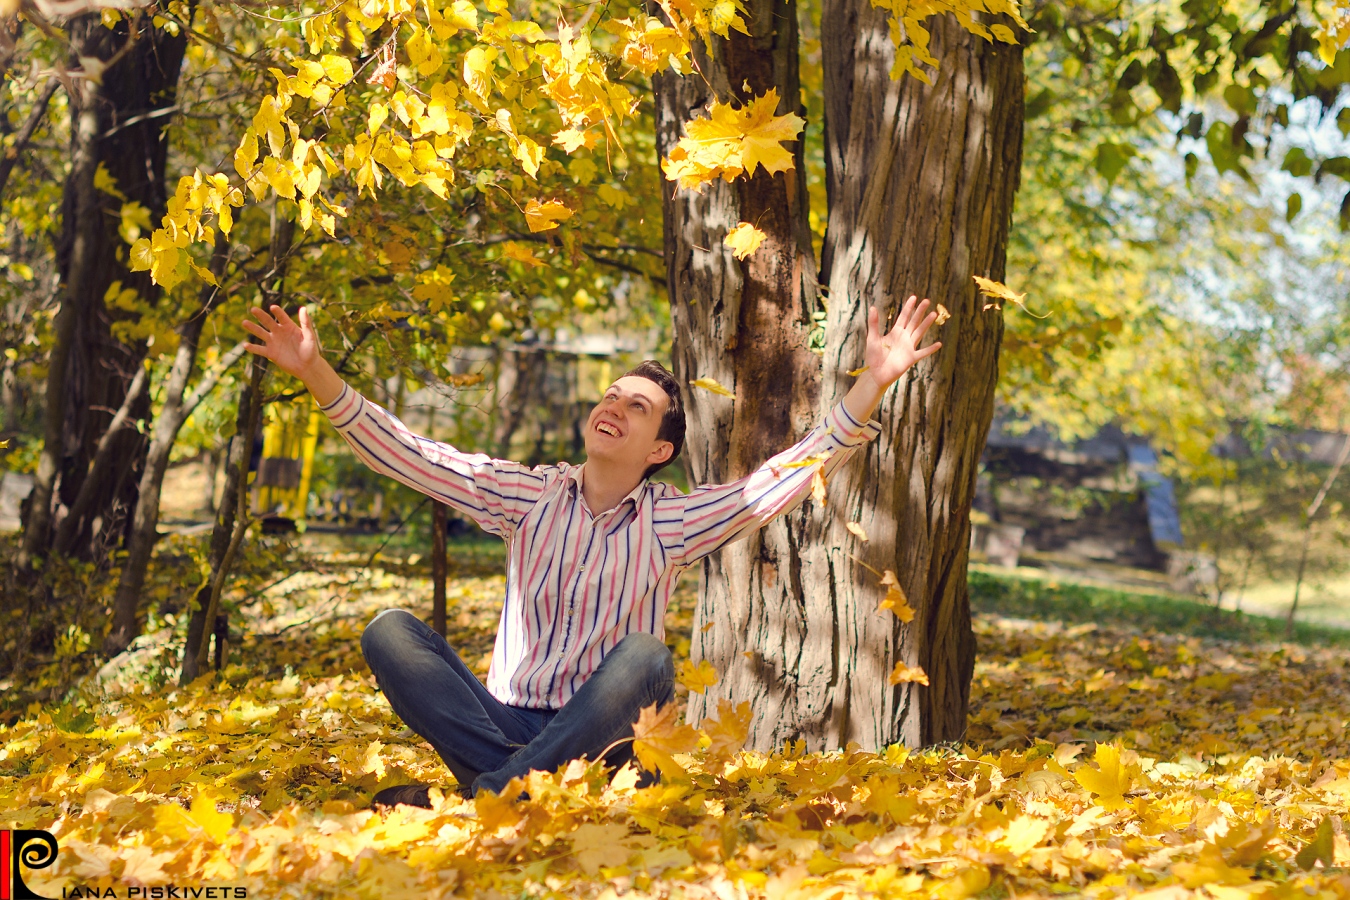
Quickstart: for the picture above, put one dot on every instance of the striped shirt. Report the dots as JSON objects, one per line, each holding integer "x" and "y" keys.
{"x": 578, "y": 583}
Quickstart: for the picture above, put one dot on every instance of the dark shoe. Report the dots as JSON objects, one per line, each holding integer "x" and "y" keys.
{"x": 406, "y": 794}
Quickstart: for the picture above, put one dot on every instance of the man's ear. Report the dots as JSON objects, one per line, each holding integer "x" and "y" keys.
{"x": 661, "y": 454}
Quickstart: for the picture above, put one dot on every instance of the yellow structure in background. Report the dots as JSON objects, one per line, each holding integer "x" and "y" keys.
{"x": 290, "y": 436}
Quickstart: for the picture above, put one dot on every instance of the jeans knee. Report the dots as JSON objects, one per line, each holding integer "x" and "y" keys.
{"x": 387, "y": 630}
{"x": 650, "y": 655}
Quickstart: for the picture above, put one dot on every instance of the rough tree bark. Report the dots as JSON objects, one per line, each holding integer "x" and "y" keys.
{"x": 747, "y": 324}
{"x": 120, "y": 124}
{"x": 921, "y": 183}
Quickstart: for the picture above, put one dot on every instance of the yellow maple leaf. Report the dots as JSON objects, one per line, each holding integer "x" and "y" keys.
{"x": 1109, "y": 781}
{"x": 727, "y": 733}
{"x": 696, "y": 677}
{"x": 942, "y": 315}
{"x": 545, "y": 216}
{"x": 895, "y": 599}
{"x": 764, "y": 135}
{"x": 732, "y": 141}
{"x": 1023, "y": 833}
{"x": 903, "y": 674}
{"x": 713, "y": 385}
{"x": 657, "y": 735}
{"x": 744, "y": 240}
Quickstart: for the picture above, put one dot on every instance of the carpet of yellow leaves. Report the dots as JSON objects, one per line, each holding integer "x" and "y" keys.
{"x": 1099, "y": 761}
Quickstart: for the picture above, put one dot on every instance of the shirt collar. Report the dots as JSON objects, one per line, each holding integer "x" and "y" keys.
{"x": 576, "y": 476}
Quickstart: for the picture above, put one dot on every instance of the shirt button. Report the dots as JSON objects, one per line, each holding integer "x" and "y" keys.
{"x": 582, "y": 568}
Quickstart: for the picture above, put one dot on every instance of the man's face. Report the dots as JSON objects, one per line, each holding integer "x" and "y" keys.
{"x": 622, "y": 428}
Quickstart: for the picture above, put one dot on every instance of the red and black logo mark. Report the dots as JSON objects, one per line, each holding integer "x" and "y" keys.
{"x": 34, "y": 849}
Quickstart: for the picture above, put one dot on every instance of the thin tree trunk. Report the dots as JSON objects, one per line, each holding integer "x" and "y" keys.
{"x": 174, "y": 412}
{"x": 1307, "y": 534}
{"x": 438, "y": 567}
{"x": 236, "y": 470}
{"x": 232, "y": 518}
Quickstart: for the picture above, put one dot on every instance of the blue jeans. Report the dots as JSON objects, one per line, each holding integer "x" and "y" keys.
{"x": 485, "y": 742}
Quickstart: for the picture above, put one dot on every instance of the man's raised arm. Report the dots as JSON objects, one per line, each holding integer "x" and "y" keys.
{"x": 713, "y": 516}
{"x": 495, "y": 494}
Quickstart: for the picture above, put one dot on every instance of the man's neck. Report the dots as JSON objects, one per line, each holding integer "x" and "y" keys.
{"x": 604, "y": 488}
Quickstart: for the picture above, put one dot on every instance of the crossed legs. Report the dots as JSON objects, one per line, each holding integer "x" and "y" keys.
{"x": 484, "y": 742}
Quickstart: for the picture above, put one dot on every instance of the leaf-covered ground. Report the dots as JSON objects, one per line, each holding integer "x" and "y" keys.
{"x": 1101, "y": 760}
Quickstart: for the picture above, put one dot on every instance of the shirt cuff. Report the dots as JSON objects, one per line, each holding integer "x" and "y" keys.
{"x": 345, "y": 410}
{"x": 848, "y": 430}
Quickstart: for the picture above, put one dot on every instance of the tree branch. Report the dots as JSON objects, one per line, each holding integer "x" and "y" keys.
{"x": 209, "y": 380}
{"x": 11, "y": 156}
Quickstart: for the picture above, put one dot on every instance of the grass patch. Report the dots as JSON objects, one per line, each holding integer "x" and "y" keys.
{"x": 1039, "y": 597}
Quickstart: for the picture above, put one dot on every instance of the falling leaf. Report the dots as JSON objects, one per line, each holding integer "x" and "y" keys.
{"x": 711, "y": 384}
{"x": 942, "y": 315}
{"x": 857, "y": 531}
{"x": 818, "y": 486}
{"x": 903, "y": 674}
{"x": 545, "y": 216}
{"x": 732, "y": 141}
{"x": 657, "y": 735}
{"x": 744, "y": 239}
{"x": 814, "y": 459}
{"x": 1000, "y": 293}
{"x": 895, "y": 599}
{"x": 696, "y": 677}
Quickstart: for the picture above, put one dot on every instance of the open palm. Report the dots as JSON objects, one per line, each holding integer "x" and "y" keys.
{"x": 293, "y": 347}
{"x": 890, "y": 355}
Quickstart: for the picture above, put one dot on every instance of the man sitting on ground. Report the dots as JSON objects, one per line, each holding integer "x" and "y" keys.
{"x": 593, "y": 554}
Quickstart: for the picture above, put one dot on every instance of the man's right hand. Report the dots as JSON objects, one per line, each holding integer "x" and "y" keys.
{"x": 294, "y": 348}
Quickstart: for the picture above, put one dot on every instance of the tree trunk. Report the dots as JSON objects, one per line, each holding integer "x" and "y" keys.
{"x": 921, "y": 182}
{"x": 236, "y": 470}
{"x": 232, "y": 513}
{"x": 82, "y": 198}
{"x": 116, "y": 128}
{"x": 747, "y": 324}
{"x": 174, "y": 412}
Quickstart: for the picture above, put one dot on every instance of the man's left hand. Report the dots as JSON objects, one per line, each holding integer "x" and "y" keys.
{"x": 890, "y": 355}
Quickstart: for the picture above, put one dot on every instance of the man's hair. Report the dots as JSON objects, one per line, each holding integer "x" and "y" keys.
{"x": 672, "y": 423}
